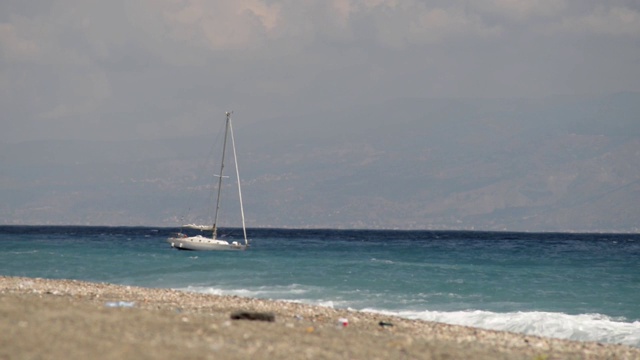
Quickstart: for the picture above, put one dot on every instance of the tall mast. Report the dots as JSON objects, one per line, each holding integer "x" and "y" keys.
{"x": 224, "y": 148}
{"x": 235, "y": 160}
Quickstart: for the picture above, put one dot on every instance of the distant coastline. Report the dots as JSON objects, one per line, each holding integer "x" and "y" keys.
{"x": 312, "y": 228}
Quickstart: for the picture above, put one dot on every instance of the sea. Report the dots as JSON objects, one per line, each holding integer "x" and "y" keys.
{"x": 582, "y": 287}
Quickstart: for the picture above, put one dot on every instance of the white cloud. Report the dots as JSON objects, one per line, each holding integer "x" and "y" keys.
{"x": 342, "y": 9}
{"x": 15, "y": 46}
{"x": 153, "y": 61}
{"x": 520, "y": 10}
{"x": 218, "y": 25}
{"x": 249, "y": 24}
{"x": 438, "y": 24}
{"x": 614, "y": 21}
{"x": 402, "y": 23}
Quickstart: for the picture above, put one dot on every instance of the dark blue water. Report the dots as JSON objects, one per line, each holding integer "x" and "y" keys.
{"x": 577, "y": 286}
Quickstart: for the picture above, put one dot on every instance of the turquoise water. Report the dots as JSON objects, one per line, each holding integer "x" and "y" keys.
{"x": 575, "y": 286}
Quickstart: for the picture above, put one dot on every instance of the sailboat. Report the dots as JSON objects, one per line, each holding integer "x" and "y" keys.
{"x": 181, "y": 241}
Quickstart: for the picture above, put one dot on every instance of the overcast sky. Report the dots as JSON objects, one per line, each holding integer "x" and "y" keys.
{"x": 144, "y": 69}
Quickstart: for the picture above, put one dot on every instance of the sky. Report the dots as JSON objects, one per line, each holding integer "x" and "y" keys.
{"x": 153, "y": 69}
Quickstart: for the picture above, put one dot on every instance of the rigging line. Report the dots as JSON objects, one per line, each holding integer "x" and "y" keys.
{"x": 213, "y": 161}
{"x": 224, "y": 148}
{"x": 202, "y": 166}
{"x": 235, "y": 160}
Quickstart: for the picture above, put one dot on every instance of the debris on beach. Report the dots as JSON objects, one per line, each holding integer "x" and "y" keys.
{"x": 252, "y": 315}
{"x": 343, "y": 322}
{"x": 125, "y": 304}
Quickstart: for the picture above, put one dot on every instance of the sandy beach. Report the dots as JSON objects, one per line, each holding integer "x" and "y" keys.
{"x": 55, "y": 319}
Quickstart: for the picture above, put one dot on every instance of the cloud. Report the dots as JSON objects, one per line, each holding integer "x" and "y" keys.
{"x": 250, "y": 24}
{"x": 15, "y": 47}
{"x": 218, "y": 25}
{"x": 520, "y": 10}
{"x": 436, "y": 25}
{"x": 153, "y": 63}
{"x": 397, "y": 24}
{"x": 614, "y": 21}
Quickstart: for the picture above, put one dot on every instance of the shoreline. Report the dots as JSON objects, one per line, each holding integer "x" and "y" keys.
{"x": 74, "y": 319}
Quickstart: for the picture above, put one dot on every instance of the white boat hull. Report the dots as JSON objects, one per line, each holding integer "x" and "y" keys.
{"x": 201, "y": 243}
{"x": 181, "y": 241}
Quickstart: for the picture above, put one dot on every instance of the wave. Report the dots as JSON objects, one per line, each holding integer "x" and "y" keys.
{"x": 384, "y": 261}
{"x": 271, "y": 292}
{"x": 583, "y": 327}
{"x": 295, "y": 293}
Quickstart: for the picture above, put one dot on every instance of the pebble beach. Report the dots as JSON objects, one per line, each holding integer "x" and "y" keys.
{"x": 43, "y": 318}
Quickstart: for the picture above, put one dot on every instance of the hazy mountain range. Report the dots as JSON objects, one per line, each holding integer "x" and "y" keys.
{"x": 552, "y": 164}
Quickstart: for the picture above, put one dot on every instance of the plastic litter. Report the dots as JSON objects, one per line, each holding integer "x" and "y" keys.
{"x": 343, "y": 322}
{"x": 126, "y": 304}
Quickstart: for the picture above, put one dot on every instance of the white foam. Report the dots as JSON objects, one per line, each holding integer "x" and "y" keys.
{"x": 257, "y": 292}
{"x": 384, "y": 261}
{"x": 583, "y": 327}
